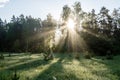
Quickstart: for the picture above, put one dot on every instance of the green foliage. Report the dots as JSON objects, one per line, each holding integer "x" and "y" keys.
{"x": 48, "y": 56}
{"x": 109, "y": 57}
{"x": 49, "y": 22}
{"x": 87, "y": 56}
{"x": 100, "y": 32}
{"x": 66, "y": 12}
{"x": 1, "y": 56}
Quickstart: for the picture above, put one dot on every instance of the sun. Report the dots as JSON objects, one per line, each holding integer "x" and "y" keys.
{"x": 70, "y": 24}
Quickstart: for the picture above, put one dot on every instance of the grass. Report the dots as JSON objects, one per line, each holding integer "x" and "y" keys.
{"x": 63, "y": 67}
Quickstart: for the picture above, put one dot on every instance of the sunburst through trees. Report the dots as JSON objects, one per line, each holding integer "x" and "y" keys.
{"x": 67, "y": 34}
{"x": 76, "y": 31}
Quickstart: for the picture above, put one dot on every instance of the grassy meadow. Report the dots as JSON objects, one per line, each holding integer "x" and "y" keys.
{"x": 63, "y": 67}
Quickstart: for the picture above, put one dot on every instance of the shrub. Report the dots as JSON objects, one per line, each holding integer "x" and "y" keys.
{"x": 109, "y": 57}
{"x": 77, "y": 56}
{"x": 1, "y": 56}
{"x": 87, "y": 55}
{"x": 48, "y": 56}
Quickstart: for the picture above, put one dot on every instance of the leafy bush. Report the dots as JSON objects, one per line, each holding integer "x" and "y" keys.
{"x": 87, "y": 55}
{"x": 109, "y": 57}
{"x": 1, "y": 56}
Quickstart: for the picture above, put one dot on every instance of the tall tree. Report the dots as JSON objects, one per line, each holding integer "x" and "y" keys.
{"x": 13, "y": 19}
{"x": 2, "y": 36}
{"x": 105, "y": 22}
{"x": 78, "y": 13}
{"x": 50, "y": 21}
{"x": 65, "y": 13}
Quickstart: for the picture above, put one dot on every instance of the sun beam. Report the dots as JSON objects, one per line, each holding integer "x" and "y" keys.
{"x": 70, "y": 24}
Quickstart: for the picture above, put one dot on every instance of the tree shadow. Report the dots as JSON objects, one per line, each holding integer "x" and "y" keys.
{"x": 56, "y": 72}
{"x": 27, "y": 65}
{"x": 6, "y": 73}
{"x": 98, "y": 69}
{"x": 113, "y": 67}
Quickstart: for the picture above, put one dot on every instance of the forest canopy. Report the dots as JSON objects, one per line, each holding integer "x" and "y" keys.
{"x": 76, "y": 31}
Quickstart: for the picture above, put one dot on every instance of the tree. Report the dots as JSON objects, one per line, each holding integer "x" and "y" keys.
{"x": 2, "y": 36}
{"x": 116, "y": 18}
{"x": 105, "y": 22}
{"x": 49, "y": 22}
{"x": 14, "y": 33}
{"x": 116, "y": 30}
{"x": 21, "y": 19}
{"x": 13, "y": 19}
{"x": 78, "y": 13}
{"x": 92, "y": 21}
{"x": 65, "y": 13}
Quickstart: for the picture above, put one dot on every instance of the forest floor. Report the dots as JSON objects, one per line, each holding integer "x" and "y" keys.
{"x": 63, "y": 67}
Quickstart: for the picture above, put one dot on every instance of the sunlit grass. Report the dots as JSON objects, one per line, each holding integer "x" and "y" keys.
{"x": 63, "y": 67}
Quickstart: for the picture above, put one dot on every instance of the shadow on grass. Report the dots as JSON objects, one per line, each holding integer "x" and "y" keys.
{"x": 113, "y": 67}
{"x": 26, "y": 65}
{"x": 21, "y": 58}
{"x": 32, "y": 64}
{"x": 56, "y": 72}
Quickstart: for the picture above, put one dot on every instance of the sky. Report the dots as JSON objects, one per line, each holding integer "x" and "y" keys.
{"x": 40, "y": 8}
